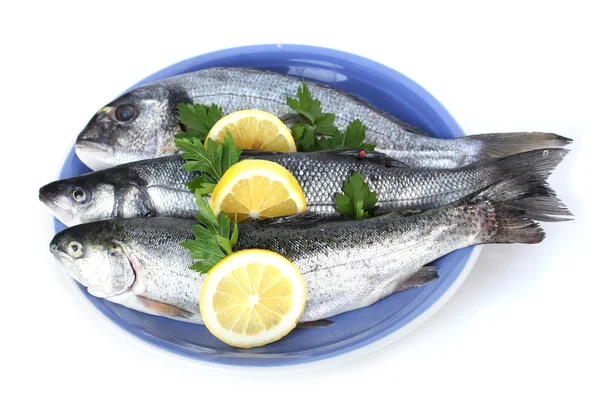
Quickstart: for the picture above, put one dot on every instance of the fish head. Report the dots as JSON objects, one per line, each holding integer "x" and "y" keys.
{"x": 93, "y": 256}
{"x": 136, "y": 126}
{"x": 80, "y": 199}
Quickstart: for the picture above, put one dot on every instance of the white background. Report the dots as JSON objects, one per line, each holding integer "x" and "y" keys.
{"x": 525, "y": 322}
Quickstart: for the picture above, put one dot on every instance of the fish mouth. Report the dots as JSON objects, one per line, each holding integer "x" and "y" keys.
{"x": 68, "y": 266}
{"x": 49, "y": 202}
{"x": 60, "y": 211}
{"x": 46, "y": 199}
{"x": 93, "y": 154}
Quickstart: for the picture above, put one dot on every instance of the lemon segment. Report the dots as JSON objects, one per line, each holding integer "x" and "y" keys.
{"x": 257, "y": 189}
{"x": 254, "y": 130}
{"x": 252, "y": 298}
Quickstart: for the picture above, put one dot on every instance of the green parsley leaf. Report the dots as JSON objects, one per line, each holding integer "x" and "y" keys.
{"x": 206, "y": 216}
{"x": 203, "y": 266}
{"x": 234, "y": 236}
{"x": 213, "y": 238}
{"x": 356, "y": 201}
{"x": 305, "y": 105}
{"x": 330, "y": 143}
{"x": 318, "y": 131}
{"x": 214, "y": 160}
{"x": 231, "y": 153}
{"x": 325, "y": 124}
{"x": 355, "y": 135}
{"x": 204, "y": 183}
{"x": 198, "y": 119}
{"x": 307, "y": 137}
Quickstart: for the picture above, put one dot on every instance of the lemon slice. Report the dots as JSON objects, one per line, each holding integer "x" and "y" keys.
{"x": 254, "y": 130}
{"x": 257, "y": 189}
{"x": 252, "y": 298}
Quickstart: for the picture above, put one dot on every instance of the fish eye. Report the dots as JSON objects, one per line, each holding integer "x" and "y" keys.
{"x": 125, "y": 113}
{"x": 79, "y": 195}
{"x": 75, "y": 249}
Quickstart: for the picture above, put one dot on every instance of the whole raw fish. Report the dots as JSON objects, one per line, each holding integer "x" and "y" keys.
{"x": 141, "y": 123}
{"x": 157, "y": 187}
{"x": 346, "y": 264}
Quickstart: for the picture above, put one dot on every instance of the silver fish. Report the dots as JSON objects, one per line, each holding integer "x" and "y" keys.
{"x": 157, "y": 187}
{"x": 346, "y": 264}
{"x": 141, "y": 123}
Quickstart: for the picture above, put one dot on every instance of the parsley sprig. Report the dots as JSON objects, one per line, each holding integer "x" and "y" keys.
{"x": 357, "y": 200}
{"x": 213, "y": 160}
{"x": 317, "y": 131}
{"x": 213, "y": 237}
{"x": 197, "y": 119}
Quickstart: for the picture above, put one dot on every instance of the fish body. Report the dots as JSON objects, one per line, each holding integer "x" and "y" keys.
{"x": 157, "y": 187}
{"x": 141, "y": 123}
{"x": 346, "y": 264}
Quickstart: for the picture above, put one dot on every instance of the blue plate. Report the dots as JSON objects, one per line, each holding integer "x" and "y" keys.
{"x": 383, "y": 88}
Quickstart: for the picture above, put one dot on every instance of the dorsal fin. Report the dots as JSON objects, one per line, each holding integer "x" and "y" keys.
{"x": 296, "y": 220}
{"x": 373, "y": 156}
{"x": 354, "y": 154}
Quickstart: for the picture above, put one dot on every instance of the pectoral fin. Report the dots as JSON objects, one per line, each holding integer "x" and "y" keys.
{"x": 322, "y": 323}
{"x": 425, "y": 275}
{"x": 164, "y": 309}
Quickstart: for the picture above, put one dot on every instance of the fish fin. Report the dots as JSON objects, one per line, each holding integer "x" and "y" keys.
{"x": 258, "y": 154}
{"x": 527, "y": 196}
{"x": 371, "y": 155}
{"x": 298, "y": 220}
{"x": 425, "y": 275}
{"x": 354, "y": 155}
{"x": 514, "y": 205}
{"x": 498, "y": 145}
{"x": 164, "y": 309}
{"x": 539, "y": 162}
{"x": 322, "y": 323}
{"x": 543, "y": 208}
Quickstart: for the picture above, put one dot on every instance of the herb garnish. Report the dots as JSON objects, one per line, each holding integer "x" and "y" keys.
{"x": 357, "y": 201}
{"x": 197, "y": 119}
{"x": 213, "y": 160}
{"x": 213, "y": 237}
{"x": 318, "y": 131}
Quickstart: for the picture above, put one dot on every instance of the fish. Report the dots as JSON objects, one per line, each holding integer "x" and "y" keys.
{"x": 157, "y": 187}
{"x": 346, "y": 265}
{"x": 141, "y": 123}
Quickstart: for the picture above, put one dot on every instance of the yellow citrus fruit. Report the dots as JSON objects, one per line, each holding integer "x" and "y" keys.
{"x": 254, "y": 130}
{"x": 252, "y": 298}
{"x": 257, "y": 189}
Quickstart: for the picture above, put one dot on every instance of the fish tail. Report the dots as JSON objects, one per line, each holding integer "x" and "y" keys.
{"x": 515, "y": 204}
{"x": 498, "y": 145}
{"x": 537, "y": 162}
